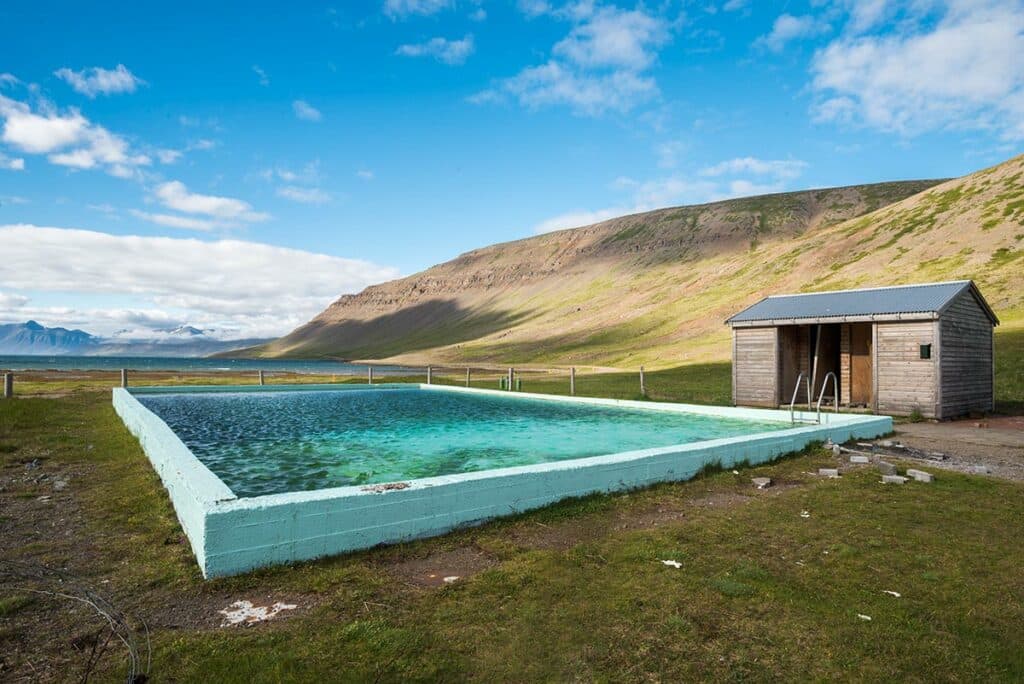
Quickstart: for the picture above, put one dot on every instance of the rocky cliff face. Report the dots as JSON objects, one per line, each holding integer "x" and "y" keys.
{"x": 655, "y": 287}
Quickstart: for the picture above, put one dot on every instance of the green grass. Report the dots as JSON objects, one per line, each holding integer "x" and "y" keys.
{"x": 762, "y": 593}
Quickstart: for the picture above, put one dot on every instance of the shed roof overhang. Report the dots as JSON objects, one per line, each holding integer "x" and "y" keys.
{"x": 874, "y": 318}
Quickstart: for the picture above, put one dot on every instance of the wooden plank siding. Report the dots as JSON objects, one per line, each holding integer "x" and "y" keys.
{"x": 904, "y": 381}
{"x": 965, "y": 357}
{"x": 755, "y": 366}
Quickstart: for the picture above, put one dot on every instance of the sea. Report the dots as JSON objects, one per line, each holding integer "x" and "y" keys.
{"x": 161, "y": 363}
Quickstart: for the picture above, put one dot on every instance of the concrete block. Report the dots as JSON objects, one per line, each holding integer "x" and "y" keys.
{"x": 828, "y": 472}
{"x": 893, "y": 479}
{"x": 919, "y": 475}
{"x": 836, "y": 450}
{"x": 859, "y": 459}
{"x": 762, "y": 482}
{"x": 886, "y": 468}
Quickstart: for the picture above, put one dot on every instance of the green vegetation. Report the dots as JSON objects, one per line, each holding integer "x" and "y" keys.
{"x": 574, "y": 591}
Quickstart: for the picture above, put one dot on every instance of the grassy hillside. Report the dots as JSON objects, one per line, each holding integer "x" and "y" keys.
{"x": 654, "y": 288}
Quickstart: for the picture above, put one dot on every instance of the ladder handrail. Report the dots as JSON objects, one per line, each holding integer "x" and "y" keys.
{"x": 835, "y": 397}
{"x": 796, "y": 390}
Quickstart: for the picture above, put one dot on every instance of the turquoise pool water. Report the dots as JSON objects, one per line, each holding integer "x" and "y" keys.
{"x": 274, "y": 442}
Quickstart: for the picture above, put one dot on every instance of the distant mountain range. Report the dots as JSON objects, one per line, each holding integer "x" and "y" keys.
{"x": 31, "y": 338}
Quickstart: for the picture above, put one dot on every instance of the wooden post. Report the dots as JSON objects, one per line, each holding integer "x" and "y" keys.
{"x": 467, "y": 377}
{"x": 430, "y": 375}
{"x": 814, "y": 369}
{"x": 369, "y": 375}
{"x": 124, "y": 377}
{"x": 8, "y": 385}
{"x": 572, "y": 381}
{"x": 511, "y": 373}
{"x": 263, "y": 381}
{"x": 643, "y": 386}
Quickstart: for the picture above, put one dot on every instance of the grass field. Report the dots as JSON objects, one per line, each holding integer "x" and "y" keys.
{"x": 575, "y": 591}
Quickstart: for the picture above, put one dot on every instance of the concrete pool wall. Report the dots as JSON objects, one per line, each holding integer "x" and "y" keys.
{"x": 230, "y": 535}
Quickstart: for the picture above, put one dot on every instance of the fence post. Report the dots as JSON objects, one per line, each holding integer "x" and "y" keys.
{"x": 511, "y": 373}
{"x": 124, "y": 377}
{"x": 263, "y": 380}
{"x": 8, "y": 385}
{"x": 430, "y": 375}
{"x": 467, "y": 377}
{"x": 369, "y": 375}
{"x": 572, "y": 381}
{"x": 643, "y": 386}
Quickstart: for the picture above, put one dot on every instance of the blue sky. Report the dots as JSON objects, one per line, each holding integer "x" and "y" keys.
{"x": 237, "y": 167}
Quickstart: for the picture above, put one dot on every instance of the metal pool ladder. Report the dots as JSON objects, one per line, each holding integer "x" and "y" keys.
{"x": 835, "y": 393}
{"x": 792, "y": 402}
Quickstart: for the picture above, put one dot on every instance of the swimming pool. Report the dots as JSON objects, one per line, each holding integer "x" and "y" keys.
{"x": 264, "y": 475}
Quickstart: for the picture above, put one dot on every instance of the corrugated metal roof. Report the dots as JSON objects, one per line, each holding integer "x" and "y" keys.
{"x": 881, "y": 301}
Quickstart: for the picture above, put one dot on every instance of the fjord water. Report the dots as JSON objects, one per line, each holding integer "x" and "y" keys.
{"x": 272, "y": 442}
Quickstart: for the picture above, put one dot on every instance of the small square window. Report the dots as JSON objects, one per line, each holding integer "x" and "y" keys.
{"x": 926, "y": 351}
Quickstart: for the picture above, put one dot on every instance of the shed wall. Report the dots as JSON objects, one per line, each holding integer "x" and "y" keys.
{"x": 966, "y": 357}
{"x": 755, "y": 367}
{"x": 905, "y": 381}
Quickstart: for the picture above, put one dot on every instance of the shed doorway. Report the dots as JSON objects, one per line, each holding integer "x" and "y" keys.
{"x": 861, "y": 357}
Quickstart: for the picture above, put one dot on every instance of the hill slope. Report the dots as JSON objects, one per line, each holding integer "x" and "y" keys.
{"x": 655, "y": 287}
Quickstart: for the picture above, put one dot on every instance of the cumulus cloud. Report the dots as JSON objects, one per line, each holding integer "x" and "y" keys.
{"x": 961, "y": 71}
{"x": 788, "y": 28}
{"x": 247, "y": 287}
{"x": 175, "y": 195}
{"x": 11, "y": 164}
{"x": 306, "y": 111}
{"x": 400, "y": 9}
{"x": 304, "y": 195}
{"x": 68, "y": 139}
{"x": 600, "y": 66}
{"x": 780, "y": 168}
{"x": 100, "y": 81}
{"x": 451, "y": 52}
{"x": 174, "y": 221}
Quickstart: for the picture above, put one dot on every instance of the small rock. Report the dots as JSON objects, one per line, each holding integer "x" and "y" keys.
{"x": 828, "y": 472}
{"x": 865, "y": 618}
{"x": 836, "y": 450}
{"x": 885, "y": 444}
{"x": 886, "y": 468}
{"x": 981, "y": 469}
{"x": 60, "y": 485}
{"x": 451, "y": 579}
{"x": 859, "y": 459}
{"x": 762, "y": 482}
{"x": 33, "y": 464}
{"x": 892, "y": 593}
{"x": 893, "y": 479}
{"x": 805, "y": 514}
{"x": 919, "y": 475}
{"x": 672, "y": 564}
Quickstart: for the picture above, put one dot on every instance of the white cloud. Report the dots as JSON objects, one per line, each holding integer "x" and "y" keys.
{"x": 306, "y": 111}
{"x": 175, "y": 195}
{"x": 735, "y": 5}
{"x": 12, "y": 301}
{"x": 261, "y": 74}
{"x": 780, "y": 168}
{"x": 669, "y": 152}
{"x": 399, "y": 9}
{"x": 716, "y": 182}
{"x": 600, "y": 66}
{"x": 304, "y": 195}
{"x": 11, "y": 164}
{"x": 173, "y": 221}
{"x": 167, "y": 156}
{"x": 365, "y": 174}
{"x": 479, "y": 14}
{"x": 210, "y": 283}
{"x": 963, "y": 71}
{"x": 68, "y": 139}
{"x": 100, "y": 81}
{"x": 446, "y": 51}
{"x": 788, "y": 28}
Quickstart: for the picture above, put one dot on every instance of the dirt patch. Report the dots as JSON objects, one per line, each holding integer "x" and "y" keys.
{"x": 433, "y": 570}
{"x": 993, "y": 443}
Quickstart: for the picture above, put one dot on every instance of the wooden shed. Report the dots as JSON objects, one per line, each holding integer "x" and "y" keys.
{"x": 896, "y": 350}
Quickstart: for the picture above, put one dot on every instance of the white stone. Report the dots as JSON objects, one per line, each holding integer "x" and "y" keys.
{"x": 886, "y": 468}
{"x": 859, "y": 459}
{"x": 762, "y": 482}
{"x": 893, "y": 479}
{"x": 828, "y": 472}
{"x": 919, "y": 475}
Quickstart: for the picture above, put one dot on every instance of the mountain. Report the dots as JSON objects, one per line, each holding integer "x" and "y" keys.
{"x": 655, "y": 288}
{"x": 32, "y": 339}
